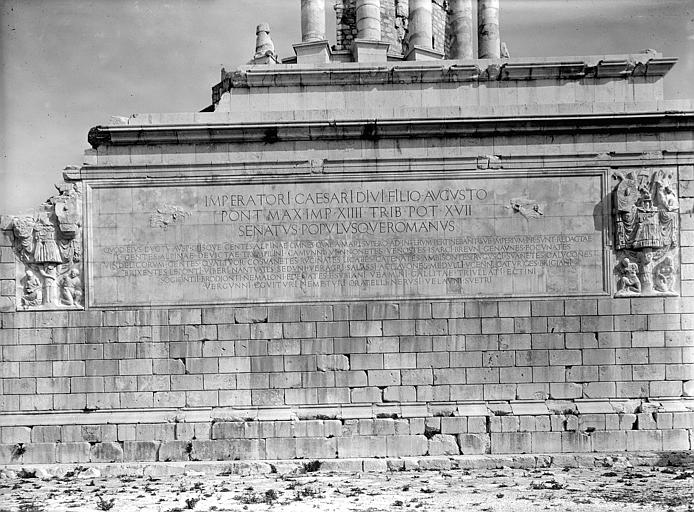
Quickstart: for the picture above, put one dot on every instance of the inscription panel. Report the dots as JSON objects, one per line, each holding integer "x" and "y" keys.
{"x": 347, "y": 240}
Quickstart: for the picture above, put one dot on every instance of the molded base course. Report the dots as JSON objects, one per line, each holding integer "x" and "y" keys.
{"x": 357, "y": 465}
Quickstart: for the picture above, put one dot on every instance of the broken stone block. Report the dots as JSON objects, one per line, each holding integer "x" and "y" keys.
{"x": 140, "y": 451}
{"x": 474, "y": 444}
{"x": 175, "y": 451}
{"x": 70, "y": 453}
{"x": 6, "y": 453}
{"x": 443, "y": 444}
{"x": 106, "y": 452}
{"x": 325, "y": 363}
{"x": 227, "y": 449}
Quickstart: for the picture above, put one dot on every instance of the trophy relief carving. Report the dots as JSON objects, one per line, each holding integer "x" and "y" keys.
{"x": 49, "y": 246}
{"x": 646, "y": 223}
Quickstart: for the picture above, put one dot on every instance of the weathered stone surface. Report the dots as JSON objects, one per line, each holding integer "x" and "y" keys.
{"x": 173, "y": 451}
{"x": 443, "y": 444}
{"x": 359, "y": 288}
{"x": 140, "y": 451}
{"x": 377, "y": 213}
{"x": 474, "y": 444}
{"x": 226, "y": 449}
{"x": 106, "y": 452}
{"x": 67, "y": 453}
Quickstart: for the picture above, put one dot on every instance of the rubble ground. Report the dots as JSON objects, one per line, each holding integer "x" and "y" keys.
{"x": 645, "y": 489}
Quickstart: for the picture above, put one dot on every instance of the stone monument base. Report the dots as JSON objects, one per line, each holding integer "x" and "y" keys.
{"x": 349, "y": 431}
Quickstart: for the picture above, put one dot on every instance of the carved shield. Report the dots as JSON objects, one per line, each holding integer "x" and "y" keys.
{"x": 626, "y": 195}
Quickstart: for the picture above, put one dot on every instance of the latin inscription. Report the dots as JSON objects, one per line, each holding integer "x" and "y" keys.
{"x": 342, "y": 241}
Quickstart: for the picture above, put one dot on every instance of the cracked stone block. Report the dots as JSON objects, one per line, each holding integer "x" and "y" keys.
{"x": 326, "y": 363}
{"x": 474, "y": 444}
{"x": 175, "y": 451}
{"x": 361, "y": 446}
{"x": 406, "y": 446}
{"x": 8, "y": 454}
{"x": 107, "y": 452}
{"x": 512, "y": 442}
{"x": 227, "y": 449}
{"x": 70, "y": 453}
{"x": 443, "y": 444}
{"x": 16, "y": 435}
{"x": 140, "y": 451}
{"x": 39, "y": 453}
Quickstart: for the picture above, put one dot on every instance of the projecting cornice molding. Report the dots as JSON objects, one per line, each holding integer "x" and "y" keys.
{"x": 399, "y": 72}
{"x": 374, "y": 129}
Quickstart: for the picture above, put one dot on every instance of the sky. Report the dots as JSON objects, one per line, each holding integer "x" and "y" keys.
{"x": 68, "y": 65}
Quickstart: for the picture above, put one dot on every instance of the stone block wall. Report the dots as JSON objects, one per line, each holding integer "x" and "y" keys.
{"x": 348, "y": 354}
{"x": 383, "y": 379}
{"x": 372, "y": 378}
{"x": 439, "y": 21}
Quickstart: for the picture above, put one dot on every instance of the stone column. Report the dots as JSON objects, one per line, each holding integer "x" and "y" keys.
{"x": 312, "y": 20}
{"x": 488, "y": 41}
{"x": 369, "y": 20}
{"x": 263, "y": 43}
{"x": 420, "y": 28}
{"x": 463, "y": 29}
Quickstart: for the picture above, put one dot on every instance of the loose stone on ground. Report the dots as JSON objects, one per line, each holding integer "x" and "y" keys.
{"x": 576, "y": 489}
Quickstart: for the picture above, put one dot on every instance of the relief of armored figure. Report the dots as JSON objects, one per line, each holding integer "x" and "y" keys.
{"x": 45, "y": 246}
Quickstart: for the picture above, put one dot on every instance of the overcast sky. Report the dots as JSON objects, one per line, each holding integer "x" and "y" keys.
{"x": 68, "y": 65}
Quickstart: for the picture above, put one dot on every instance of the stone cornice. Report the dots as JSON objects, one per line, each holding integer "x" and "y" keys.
{"x": 374, "y": 129}
{"x": 444, "y": 71}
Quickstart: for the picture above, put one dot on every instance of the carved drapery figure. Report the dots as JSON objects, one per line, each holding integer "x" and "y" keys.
{"x": 646, "y": 232}
{"x": 49, "y": 245}
{"x": 31, "y": 287}
{"x": 45, "y": 246}
{"x": 665, "y": 276}
{"x": 71, "y": 288}
{"x": 629, "y": 283}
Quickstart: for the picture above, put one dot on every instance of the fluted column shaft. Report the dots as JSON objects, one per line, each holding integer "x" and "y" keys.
{"x": 369, "y": 20}
{"x": 488, "y": 41}
{"x": 463, "y": 29}
{"x": 312, "y": 20}
{"x": 420, "y": 26}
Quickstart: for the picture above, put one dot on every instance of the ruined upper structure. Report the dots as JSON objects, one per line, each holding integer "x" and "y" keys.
{"x": 405, "y": 29}
{"x": 383, "y": 45}
{"x": 381, "y": 30}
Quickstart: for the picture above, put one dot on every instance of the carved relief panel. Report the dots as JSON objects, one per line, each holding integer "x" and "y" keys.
{"x": 48, "y": 248}
{"x": 646, "y": 232}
